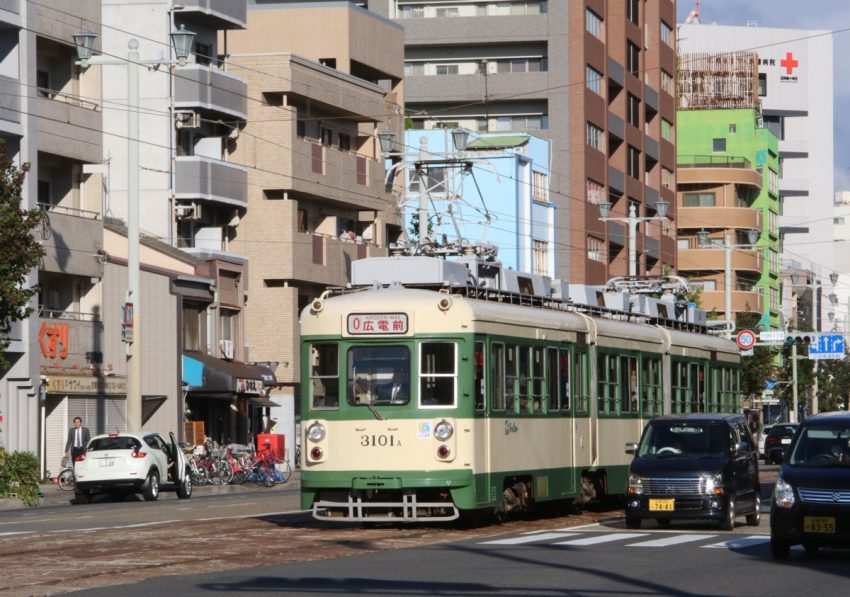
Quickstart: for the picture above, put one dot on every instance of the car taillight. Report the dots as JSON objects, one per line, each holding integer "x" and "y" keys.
{"x": 137, "y": 454}
{"x": 80, "y": 458}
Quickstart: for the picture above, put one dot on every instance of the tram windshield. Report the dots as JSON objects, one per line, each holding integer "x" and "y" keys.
{"x": 685, "y": 440}
{"x": 378, "y": 375}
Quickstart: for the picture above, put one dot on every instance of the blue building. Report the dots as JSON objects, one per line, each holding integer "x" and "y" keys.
{"x": 503, "y": 199}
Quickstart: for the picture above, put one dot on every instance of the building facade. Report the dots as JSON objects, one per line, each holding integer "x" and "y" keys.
{"x": 728, "y": 186}
{"x": 502, "y": 199}
{"x": 317, "y": 187}
{"x": 795, "y": 81}
{"x": 595, "y": 77}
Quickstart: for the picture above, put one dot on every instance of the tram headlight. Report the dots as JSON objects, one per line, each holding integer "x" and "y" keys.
{"x": 636, "y": 484}
{"x": 443, "y": 431}
{"x": 316, "y": 432}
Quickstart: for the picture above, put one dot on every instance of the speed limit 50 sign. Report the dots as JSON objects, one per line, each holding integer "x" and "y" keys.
{"x": 746, "y": 339}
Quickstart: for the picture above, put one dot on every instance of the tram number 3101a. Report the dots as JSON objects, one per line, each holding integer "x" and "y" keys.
{"x": 379, "y": 441}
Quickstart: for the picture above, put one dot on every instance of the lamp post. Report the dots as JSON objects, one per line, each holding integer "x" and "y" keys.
{"x": 753, "y": 236}
{"x": 633, "y": 220}
{"x": 84, "y": 42}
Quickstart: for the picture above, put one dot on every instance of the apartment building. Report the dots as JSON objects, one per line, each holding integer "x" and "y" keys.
{"x": 595, "y": 77}
{"x": 317, "y": 189}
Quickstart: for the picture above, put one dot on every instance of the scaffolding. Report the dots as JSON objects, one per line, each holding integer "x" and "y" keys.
{"x": 727, "y": 80}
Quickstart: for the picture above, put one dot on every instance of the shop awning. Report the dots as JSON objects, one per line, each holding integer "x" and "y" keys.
{"x": 261, "y": 401}
{"x": 203, "y": 373}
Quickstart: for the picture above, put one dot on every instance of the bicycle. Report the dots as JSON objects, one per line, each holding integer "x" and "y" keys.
{"x": 66, "y": 476}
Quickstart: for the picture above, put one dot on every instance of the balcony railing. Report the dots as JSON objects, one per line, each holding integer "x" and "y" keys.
{"x": 203, "y": 178}
{"x": 712, "y": 161}
{"x": 208, "y": 88}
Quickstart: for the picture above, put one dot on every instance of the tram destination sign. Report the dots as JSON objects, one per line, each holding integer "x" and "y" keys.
{"x": 363, "y": 324}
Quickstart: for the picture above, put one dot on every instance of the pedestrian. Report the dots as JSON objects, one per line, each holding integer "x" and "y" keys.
{"x": 78, "y": 439}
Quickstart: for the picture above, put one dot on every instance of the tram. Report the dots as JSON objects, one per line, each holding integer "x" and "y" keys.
{"x": 433, "y": 388}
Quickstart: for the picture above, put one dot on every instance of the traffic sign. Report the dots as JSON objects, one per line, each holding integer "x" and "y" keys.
{"x": 746, "y": 339}
{"x": 827, "y": 346}
{"x": 772, "y": 337}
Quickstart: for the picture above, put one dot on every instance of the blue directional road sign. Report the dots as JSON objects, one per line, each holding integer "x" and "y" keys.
{"x": 827, "y": 346}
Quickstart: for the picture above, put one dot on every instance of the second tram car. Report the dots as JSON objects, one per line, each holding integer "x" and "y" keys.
{"x": 422, "y": 404}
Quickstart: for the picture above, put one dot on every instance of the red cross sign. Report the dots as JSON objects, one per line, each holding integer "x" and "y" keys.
{"x": 789, "y": 63}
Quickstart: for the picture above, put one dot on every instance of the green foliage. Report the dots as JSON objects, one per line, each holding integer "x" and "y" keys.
{"x": 413, "y": 228}
{"x": 19, "y": 475}
{"x": 21, "y": 252}
{"x": 409, "y": 123}
{"x": 756, "y": 369}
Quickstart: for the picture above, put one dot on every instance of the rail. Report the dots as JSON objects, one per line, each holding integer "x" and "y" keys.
{"x": 712, "y": 161}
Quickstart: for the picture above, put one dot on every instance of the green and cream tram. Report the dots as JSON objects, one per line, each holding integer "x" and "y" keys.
{"x": 420, "y": 404}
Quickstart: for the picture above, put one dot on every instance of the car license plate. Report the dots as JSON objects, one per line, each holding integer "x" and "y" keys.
{"x": 661, "y": 505}
{"x": 819, "y": 524}
{"x": 786, "y": 441}
{"x": 107, "y": 461}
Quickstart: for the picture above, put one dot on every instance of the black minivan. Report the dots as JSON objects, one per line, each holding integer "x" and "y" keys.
{"x": 694, "y": 466}
{"x": 811, "y": 500}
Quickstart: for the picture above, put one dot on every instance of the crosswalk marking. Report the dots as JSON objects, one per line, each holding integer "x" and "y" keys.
{"x": 740, "y": 543}
{"x": 674, "y": 540}
{"x": 529, "y": 538}
{"x": 606, "y": 538}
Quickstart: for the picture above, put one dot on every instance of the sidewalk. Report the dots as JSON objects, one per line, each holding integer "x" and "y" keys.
{"x": 53, "y": 496}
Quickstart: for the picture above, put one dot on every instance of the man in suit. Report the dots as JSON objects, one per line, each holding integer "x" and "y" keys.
{"x": 78, "y": 439}
{"x": 398, "y": 390}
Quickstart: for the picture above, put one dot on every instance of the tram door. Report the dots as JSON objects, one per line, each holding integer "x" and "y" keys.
{"x": 561, "y": 399}
{"x": 482, "y": 463}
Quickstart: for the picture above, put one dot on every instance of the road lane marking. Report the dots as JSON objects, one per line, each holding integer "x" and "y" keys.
{"x": 606, "y": 538}
{"x": 6, "y": 534}
{"x": 740, "y": 543}
{"x": 529, "y": 538}
{"x": 675, "y": 540}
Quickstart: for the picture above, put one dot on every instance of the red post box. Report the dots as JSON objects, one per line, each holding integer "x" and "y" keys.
{"x": 276, "y": 442}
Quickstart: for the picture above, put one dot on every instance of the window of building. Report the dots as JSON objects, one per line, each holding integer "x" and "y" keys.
{"x": 194, "y": 324}
{"x": 777, "y": 125}
{"x": 327, "y": 136}
{"x": 447, "y": 69}
{"x": 595, "y": 192}
{"x": 633, "y": 59}
{"x": 301, "y": 128}
{"x": 203, "y": 53}
{"x": 742, "y": 196}
{"x": 632, "y": 11}
{"x": 594, "y": 80}
{"x": 540, "y": 186}
{"x": 595, "y": 249}
{"x": 344, "y": 141}
{"x": 667, "y": 82}
{"x": 593, "y": 22}
{"x": 773, "y": 223}
{"x": 414, "y": 69}
{"x": 594, "y": 136}
{"x": 772, "y": 182}
{"x": 773, "y": 260}
{"x": 774, "y": 299}
{"x": 706, "y": 285}
{"x": 666, "y": 130}
{"x": 450, "y": 11}
{"x": 762, "y": 84}
{"x": 666, "y": 34}
{"x": 541, "y": 257}
{"x": 42, "y": 82}
{"x": 836, "y": 221}
{"x": 701, "y": 199}
{"x": 633, "y": 111}
{"x": 634, "y": 162}
{"x": 733, "y": 128}
{"x": 718, "y": 145}
{"x": 329, "y": 62}
{"x": 668, "y": 181}
{"x": 683, "y": 243}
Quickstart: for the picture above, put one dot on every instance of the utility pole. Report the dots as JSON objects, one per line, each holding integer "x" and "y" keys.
{"x": 794, "y": 408}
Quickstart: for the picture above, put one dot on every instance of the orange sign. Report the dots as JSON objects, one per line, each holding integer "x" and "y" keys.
{"x": 53, "y": 340}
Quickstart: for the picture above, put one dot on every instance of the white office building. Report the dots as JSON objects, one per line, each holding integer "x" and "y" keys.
{"x": 795, "y": 86}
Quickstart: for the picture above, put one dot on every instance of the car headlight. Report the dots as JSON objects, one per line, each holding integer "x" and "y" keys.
{"x": 712, "y": 484}
{"x": 783, "y": 494}
{"x": 443, "y": 430}
{"x": 316, "y": 432}
{"x": 636, "y": 484}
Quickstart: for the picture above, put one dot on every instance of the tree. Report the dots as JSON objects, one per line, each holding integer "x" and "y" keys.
{"x": 20, "y": 251}
{"x": 759, "y": 367}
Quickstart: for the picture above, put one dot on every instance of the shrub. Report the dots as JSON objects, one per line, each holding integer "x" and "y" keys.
{"x": 19, "y": 475}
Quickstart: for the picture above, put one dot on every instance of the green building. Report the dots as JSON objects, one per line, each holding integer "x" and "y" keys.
{"x": 728, "y": 187}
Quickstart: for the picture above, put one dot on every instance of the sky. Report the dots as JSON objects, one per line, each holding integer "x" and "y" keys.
{"x": 833, "y": 15}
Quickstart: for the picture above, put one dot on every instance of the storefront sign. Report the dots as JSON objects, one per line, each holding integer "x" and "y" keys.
{"x": 53, "y": 340}
{"x": 377, "y": 323}
{"x": 249, "y": 386}
{"x": 80, "y": 384}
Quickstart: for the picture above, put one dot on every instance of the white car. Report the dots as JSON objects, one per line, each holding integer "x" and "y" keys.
{"x": 132, "y": 462}
{"x": 762, "y": 437}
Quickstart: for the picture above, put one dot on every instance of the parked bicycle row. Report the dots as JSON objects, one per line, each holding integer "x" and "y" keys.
{"x": 213, "y": 464}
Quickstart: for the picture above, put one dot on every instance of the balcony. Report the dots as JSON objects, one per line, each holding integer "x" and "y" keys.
{"x": 728, "y": 218}
{"x": 616, "y": 126}
{"x": 793, "y": 149}
{"x": 15, "y": 338}
{"x": 212, "y": 89}
{"x": 199, "y": 178}
{"x": 793, "y": 187}
{"x": 13, "y": 6}
{"x": 652, "y": 247}
{"x": 69, "y": 340}
{"x": 707, "y": 169}
{"x": 616, "y": 233}
{"x": 450, "y": 88}
{"x": 616, "y": 181}
{"x": 742, "y": 300}
{"x": 209, "y": 242}
{"x": 70, "y": 129}
{"x": 455, "y": 30}
{"x": 221, "y": 14}
{"x": 10, "y": 106}
{"x": 73, "y": 242}
{"x": 713, "y": 259}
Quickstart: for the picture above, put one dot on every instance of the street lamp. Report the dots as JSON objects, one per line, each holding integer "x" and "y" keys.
{"x": 633, "y": 220}
{"x": 752, "y": 236}
{"x": 84, "y": 43}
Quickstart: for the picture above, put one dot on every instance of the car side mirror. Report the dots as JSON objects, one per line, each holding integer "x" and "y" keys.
{"x": 740, "y": 448}
{"x": 631, "y": 447}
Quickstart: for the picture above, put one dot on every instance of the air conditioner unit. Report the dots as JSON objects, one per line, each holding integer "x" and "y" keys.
{"x": 190, "y": 211}
{"x": 226, "y": 348}
{"x": 492, "y": 67}
{"x": 187, "y": 120}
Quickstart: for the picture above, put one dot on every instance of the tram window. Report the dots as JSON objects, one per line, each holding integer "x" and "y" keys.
{"x": 511, "y": 377}
{"x": 498, "y": 376}
{"x": 628, "y": 385}
{"x": 524, "y": 378}
{"x": 324, "y": 375}
{"x": 378, "y": 375}
{"x": 608, "y": 386}
{"x": 695, "y": 377}
{"x": 651, "y": 396}
{"x": 553, "y": 378}
{"x": 480, "y": 389}
{"x": 536, "y": 401}
{"x": 564, "y": 384}
{"x": 580, "y": 381}
{"x": 680, "y": 387}
{"x": 437, "y": 374}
